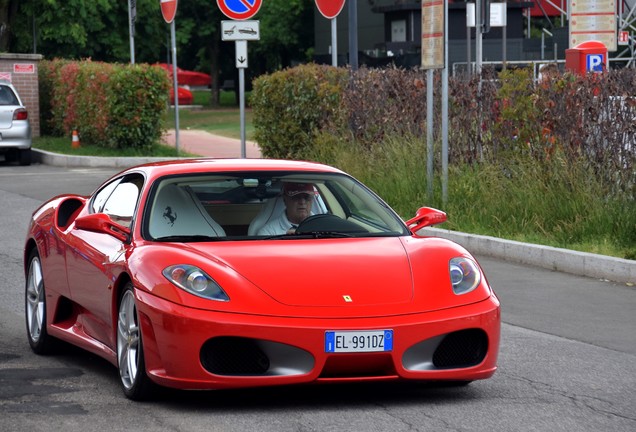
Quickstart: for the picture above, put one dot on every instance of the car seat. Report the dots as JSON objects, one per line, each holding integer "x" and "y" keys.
{"x": 178, "y": 212}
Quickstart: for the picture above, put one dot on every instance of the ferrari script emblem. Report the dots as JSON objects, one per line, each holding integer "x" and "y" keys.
{"x": 347, "y": 298}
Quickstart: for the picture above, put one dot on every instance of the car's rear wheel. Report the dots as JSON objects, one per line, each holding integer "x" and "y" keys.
{"x": 24, "y": 157}
{"x": 130, "y": 353}
{"x": 35, "y": 307}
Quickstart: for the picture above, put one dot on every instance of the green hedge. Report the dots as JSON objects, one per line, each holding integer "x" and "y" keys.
{"x": 302, "y": 111}
{"x": 110, "y": 105}
{"x": 291, "y": 106}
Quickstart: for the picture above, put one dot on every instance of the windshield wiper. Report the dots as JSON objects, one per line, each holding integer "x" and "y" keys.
{"x": 189, "y": 238}
{"x": 310, "y": 235}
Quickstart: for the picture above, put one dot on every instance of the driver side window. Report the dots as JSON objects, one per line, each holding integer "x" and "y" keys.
{"x": 119, "y": 199}
{"x": 102, "y": 196}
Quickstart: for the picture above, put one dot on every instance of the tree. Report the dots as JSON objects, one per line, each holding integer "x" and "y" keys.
{"x": 98, "y": 29}
{"x": 8, "y": 12}
{"x": 287, "y": 33}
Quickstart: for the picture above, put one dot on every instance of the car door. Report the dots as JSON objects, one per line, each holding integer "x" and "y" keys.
{"x": 95, "y": 260}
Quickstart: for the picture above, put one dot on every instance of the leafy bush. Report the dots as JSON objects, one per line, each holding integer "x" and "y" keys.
{"x": 383, "y": 102}
{"x": 138, "y": 96}
{"x": 110, "y": 105}
{"x": 589, "y": 119}
{"x": 292, "y": 105}
{"x": 549, "y": 162}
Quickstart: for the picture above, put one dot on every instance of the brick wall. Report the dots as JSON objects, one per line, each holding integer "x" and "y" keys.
{"x": 22, "y": 71}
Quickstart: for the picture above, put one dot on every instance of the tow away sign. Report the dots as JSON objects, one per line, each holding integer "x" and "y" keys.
{"x": 240, "y": 30}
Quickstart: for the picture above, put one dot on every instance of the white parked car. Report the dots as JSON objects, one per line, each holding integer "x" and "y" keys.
{"x": 15, "y": 129}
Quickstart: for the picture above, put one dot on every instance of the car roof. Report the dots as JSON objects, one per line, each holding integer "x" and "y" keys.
{"x": 212, "y": 165}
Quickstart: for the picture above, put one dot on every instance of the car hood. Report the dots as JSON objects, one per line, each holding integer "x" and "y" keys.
{"x": 326, "y": 272}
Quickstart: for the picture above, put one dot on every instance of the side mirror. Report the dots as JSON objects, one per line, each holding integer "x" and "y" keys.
{"x": 102, "y": 223}
{"x": 425, "y": 216}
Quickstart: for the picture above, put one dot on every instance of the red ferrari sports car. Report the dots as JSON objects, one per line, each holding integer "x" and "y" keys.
{"x": 221, "y": 273}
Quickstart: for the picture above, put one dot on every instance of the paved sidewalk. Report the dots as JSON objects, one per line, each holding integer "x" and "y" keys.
{"x": 204, "y": 143}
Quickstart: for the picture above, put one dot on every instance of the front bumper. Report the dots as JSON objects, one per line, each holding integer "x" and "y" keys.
{"x": 195, "y": 349}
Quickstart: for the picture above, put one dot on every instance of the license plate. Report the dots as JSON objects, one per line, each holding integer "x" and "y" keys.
{"x": 358, "y": 341}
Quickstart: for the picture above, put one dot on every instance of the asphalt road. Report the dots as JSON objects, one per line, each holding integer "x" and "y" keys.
{"x": 567, "y": 360}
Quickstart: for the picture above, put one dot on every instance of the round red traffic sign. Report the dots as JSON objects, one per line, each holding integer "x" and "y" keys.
{"x": 168, "y": 9}
{"x": 239, "y": 9}
{"x": 330, "y": 8}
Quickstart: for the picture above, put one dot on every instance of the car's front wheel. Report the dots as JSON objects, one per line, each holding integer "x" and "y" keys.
{"x": 130, "y": 353}
{"x": 35, "y": 307}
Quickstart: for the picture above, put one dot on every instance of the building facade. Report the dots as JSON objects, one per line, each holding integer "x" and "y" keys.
{"x": 390, "y": 31}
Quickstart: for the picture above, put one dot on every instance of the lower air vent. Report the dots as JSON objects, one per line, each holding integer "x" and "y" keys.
{"x": 461, "y": 349}
{"x": 233, "y": 356}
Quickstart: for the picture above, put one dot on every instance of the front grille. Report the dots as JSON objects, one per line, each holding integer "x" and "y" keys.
{"x": 233, "y": 356}
{"x": 463, "y": 348}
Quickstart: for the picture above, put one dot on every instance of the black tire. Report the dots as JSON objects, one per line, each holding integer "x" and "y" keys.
{"x": 11, "y": 155}
{"x": 35, "y": 308}
{"x": 130, "y": 353}
{"x": 24, "y": 157}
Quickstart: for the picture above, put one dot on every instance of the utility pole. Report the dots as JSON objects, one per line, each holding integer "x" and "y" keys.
{"x": 353, "y": 34}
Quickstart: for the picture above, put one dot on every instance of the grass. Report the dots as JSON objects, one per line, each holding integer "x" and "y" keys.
{"x": 224, "y": 121}
{"x": 552, "y": 203}
{"x": 62, "y": 145}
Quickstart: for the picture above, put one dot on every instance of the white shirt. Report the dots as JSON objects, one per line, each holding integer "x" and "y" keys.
{"x": 277, "y": 226}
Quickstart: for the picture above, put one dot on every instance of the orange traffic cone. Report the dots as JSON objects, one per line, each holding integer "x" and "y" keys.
{"x": 76, "y": 142}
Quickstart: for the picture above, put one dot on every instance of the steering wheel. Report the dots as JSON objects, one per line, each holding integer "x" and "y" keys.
{"x": 328, "y": 223}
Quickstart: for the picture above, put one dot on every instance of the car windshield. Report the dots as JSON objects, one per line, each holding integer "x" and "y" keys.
{"x": 258, "y": 205}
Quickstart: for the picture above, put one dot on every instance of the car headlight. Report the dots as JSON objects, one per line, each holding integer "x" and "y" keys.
{"x": 195, "y": 281}
{"x": 464, "y": 274}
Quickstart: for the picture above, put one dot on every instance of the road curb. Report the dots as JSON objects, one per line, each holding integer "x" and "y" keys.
{"x": 55, "y": 159}
{"x": 563, "y": 260}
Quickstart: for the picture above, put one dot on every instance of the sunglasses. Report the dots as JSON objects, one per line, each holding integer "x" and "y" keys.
{"x": 301, "y": 196}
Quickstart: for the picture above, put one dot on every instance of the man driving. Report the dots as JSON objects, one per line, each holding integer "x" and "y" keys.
{"x": 298, "y": 198}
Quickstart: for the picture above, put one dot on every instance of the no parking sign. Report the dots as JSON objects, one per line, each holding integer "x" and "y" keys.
{"x": 239, "y": 9}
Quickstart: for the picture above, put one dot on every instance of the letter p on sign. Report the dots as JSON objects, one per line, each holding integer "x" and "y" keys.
{"x": 595, "y": 62}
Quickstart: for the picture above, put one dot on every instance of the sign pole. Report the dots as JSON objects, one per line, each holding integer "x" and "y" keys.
{"x": 240, "y": 32}
{"x": 241, "y": 72}
{"x": 132, "y": 16}
{"x": 353, "y": 34}
{"x": 241, "y": 64}
{"x": 330, "y": 10}
{"x": 334, "y": 42}
{"x": 434, "y": 56}
{"x": 429, "y": 132}
{"x": 175, "y": 85}
{"x": 240, "y": 29}
{"x": 169, "y": 10}
{"x": 478, "y": 36}
{"x": 445, "y": 110}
